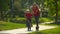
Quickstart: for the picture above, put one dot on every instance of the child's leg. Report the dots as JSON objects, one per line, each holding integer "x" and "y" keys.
{"x": 30, "y": 24}
{"x": 28, "y": 29}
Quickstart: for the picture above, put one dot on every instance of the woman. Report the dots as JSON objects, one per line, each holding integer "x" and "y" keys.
{"x": 36, "y": 14}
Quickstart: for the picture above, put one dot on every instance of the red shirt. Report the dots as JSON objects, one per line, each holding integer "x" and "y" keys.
{"x": 36, "y": 11}
{"x": 28, "y": 15}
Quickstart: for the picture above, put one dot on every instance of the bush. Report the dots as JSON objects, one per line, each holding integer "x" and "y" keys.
{"x": 23, "y": 20}
{"x": 18, "y": 20}
{"x": 44, "y": 20}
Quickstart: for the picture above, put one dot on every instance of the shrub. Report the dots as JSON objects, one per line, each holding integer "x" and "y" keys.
{"x": 44, "y": 20}
{"x": 23, "y": 20}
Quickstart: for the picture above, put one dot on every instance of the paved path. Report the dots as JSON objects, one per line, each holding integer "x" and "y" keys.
{"x": 24, "y": 30}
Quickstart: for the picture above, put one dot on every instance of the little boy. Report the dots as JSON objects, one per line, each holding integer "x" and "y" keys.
{"x": 28, "y": 16}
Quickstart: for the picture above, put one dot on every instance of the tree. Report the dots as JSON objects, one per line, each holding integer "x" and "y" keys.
{"x": 4, "y": 5}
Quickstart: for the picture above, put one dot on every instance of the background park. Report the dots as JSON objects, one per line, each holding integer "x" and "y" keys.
{"x": 12, "y": 15}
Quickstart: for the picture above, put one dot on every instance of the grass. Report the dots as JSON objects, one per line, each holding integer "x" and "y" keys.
{"x": 49, "y": 31}
{"x": 10, "y": 25}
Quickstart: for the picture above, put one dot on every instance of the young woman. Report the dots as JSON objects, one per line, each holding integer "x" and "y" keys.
{"x": 36, "y": 14}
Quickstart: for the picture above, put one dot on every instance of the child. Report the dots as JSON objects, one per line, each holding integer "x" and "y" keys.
{"x": 28, "y": 16}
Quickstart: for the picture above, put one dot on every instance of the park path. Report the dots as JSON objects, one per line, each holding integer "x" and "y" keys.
{"x": 24, "y": 30}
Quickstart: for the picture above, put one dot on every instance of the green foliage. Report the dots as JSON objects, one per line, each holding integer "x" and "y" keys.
{"x": 4, "y": 4}
{"x": 59, "y": 14}
{"x": 23, "y": 20}
{"x": 20, "y": 7}
{"x": 45, "y": 20}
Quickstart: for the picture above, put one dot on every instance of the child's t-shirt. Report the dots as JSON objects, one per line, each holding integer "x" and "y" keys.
{"x": 28, "y": 15}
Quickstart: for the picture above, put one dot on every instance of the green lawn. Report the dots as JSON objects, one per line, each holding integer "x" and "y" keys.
{"x": 10, "y": 25}
{"x": 49, "y": 31}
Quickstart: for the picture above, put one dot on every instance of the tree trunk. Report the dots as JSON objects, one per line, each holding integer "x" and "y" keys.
{"x": 56, "y": 7}
{"x": 1, "y": 13}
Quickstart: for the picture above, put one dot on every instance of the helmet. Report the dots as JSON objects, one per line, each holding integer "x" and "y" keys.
{"x": 27, "y": 10}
